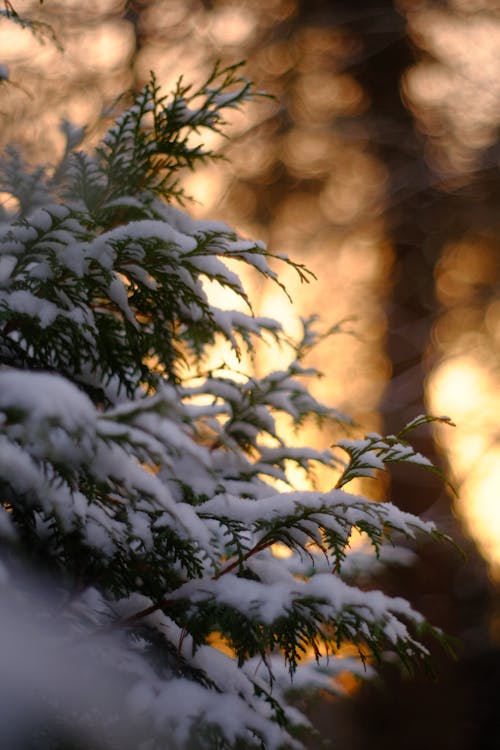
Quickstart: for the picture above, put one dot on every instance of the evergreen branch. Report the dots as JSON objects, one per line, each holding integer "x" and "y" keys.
{"x": 374, "y": 452}
{"x": 149, "y": 492}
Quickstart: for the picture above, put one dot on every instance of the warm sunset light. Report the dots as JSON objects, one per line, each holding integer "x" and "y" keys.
{"x": 480, "y": 505}
{"x": 352, "y": 265}
{"x": 281, "y": 550}
{"x": 457, "y": 94}
{"x": 367, "y": 154}
{"x": 462, "y": 387}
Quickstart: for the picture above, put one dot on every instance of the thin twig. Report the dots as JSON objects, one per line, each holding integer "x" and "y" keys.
{"x": 164, "y": 603}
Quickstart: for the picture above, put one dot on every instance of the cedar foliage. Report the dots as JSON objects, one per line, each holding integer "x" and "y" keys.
{"x": 153, "y": 489}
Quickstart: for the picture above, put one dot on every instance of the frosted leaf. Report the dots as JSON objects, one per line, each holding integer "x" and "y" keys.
{"x": 118, "y": 294}
{"x": 145, "y": 474}
{"x": 46, "y": 396}
{"x": 7, "y": 265}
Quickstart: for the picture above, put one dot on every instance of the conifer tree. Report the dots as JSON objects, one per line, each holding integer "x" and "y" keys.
{"x": 152, "y": 489}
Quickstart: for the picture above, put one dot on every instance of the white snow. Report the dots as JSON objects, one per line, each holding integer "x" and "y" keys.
{"x": 123, "y": 475}
{"x": 118, "y": 294}
{"x": 146, "y": 229}
{"x": 46, "y": 397}
{"x": 7, "y": 265}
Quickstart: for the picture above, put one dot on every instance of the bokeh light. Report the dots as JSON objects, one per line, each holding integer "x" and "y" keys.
{"x": 305, "y": 175}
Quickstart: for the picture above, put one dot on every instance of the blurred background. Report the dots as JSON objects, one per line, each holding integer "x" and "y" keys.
{"x": 377, "y": 165}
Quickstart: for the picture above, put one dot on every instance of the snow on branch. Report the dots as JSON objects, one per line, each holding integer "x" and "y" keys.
{"x": 154, "y": 491}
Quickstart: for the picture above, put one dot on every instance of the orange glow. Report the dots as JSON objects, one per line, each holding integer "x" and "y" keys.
{"x": 275, "y": 59}
{"x": 328, "y": 211}
{"x": 322, "y": 95}
{"x": 462, "y": 267}
{"x": 348, "y": 682}
{"x": 480, "y": 505}
{"x": 231, "y": 25}
{"x": 466, "y": 384}
{"x": 206, "y": 186}
{"x": 463, "y": 387}
{"x": 15, "y": 43}
{"x": 352, "y": 267}
{"x": 8, "y": 202}
{"x": 456, "y": 98}
{"x": 354, "y": 189}
{"x": 492, "y": 320}
{"x": 305, "y": 154}
{"x": 218, "y": 641}
{"x": 319, "y": 47}
{"x": 254, "y": 156}
{"x": 281, "y": 550}
{"x": 108, "y": 46}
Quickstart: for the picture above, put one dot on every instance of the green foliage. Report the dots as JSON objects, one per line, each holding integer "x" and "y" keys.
{"x": 154, "y": 487}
